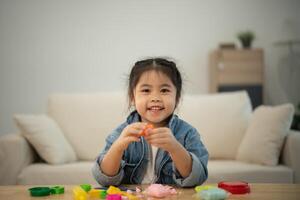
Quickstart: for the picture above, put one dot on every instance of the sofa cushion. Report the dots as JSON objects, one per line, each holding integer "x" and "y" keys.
{"x": 86, "y": 119}
{"x": 221, "y": 120}
{"x": 45, "y": 174}
{"x": 46, "y": 137}
{"x": 231, "y": 170}
{"x": 265, "y": 135}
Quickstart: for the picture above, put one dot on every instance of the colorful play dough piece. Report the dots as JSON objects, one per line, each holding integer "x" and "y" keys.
{"x": 114, "y": 197}
{"x": 102, "y": 194}
{"x": 129, "y": 196}
{"x": 148, "y": 126}
{"x": 96, "y": 193}
{"x": 213, "y": 194}
{"x": 79, "y": 193}
{"x": 39, "y": 191}
{"x": 199, "y": 188}
{"x": 113, "y": 190}
{"x": 57, "y": 190}
{"x": 86, "y": 187}
{"x": 160, "y": 191}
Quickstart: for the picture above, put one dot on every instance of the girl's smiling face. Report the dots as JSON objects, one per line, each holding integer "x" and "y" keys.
{"x": 155, "y": 98}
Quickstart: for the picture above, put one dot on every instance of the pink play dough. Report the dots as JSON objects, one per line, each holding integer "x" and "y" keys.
{"x": 159, "y": 191}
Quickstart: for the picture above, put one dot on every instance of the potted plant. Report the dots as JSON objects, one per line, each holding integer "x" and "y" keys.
{"x": 246, "y": 38}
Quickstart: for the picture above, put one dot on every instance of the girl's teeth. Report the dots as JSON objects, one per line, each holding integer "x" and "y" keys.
{"x": 155, "y": 108}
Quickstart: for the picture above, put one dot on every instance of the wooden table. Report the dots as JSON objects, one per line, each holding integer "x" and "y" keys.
{"x": 258, "y": 192}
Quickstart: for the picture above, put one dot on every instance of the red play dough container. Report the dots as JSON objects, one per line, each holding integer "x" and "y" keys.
{"x": 236, "y": 187}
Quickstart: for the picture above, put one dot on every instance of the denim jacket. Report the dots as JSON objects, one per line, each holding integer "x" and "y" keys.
{"x": 134, "y": 161}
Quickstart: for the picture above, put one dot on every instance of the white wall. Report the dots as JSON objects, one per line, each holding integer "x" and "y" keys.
{"x": 88, "y": 46}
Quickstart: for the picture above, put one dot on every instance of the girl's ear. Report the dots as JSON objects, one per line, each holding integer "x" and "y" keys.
{"x": 132, "y": 102}
{"x": 132, "y": 106}
{"x": 177, "y": 103}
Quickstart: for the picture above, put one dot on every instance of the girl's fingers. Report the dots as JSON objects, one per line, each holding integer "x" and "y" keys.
{"x": 133, "y": 131}
{"x": 154, "y": 134}
{"x": 135, "y": 128}
{"x": 153, "y": 137}
{"x": 157, "y": 131}
{"x": 138, "y": 125}
{"x": 157, "y": 141}
{"x": 132, "y": 139}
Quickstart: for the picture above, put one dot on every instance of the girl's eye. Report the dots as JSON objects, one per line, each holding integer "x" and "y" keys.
{"x": 145, "y": 90}
{"x": 165, "y": 90}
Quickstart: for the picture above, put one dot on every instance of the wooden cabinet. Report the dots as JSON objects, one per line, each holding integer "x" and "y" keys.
{"x": 232, "y": 70}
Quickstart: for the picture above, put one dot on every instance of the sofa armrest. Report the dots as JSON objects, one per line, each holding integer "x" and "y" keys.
{"x": 290, "y": 153}
{"x": 15, "y": 154}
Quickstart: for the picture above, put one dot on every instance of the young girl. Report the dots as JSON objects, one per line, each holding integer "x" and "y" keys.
{"x": 169, "y": 150}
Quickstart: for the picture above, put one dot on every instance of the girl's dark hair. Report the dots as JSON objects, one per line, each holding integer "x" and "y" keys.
{"x": 163, "y": 65}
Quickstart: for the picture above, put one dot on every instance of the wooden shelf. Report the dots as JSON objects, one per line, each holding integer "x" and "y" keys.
{"x": 236, "y": 69}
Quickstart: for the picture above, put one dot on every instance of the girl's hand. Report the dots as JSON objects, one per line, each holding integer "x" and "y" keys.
{"x": 130, "y": 133}
{"x": 162, "y": 138}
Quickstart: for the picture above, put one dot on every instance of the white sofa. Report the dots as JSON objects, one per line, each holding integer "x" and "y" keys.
{"x": 86, "y": 119}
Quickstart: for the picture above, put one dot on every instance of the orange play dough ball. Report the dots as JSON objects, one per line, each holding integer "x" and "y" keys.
{"x": 148, "y": 126}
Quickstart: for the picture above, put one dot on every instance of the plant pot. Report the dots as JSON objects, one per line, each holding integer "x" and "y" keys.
{"x": 246, "y": 44}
